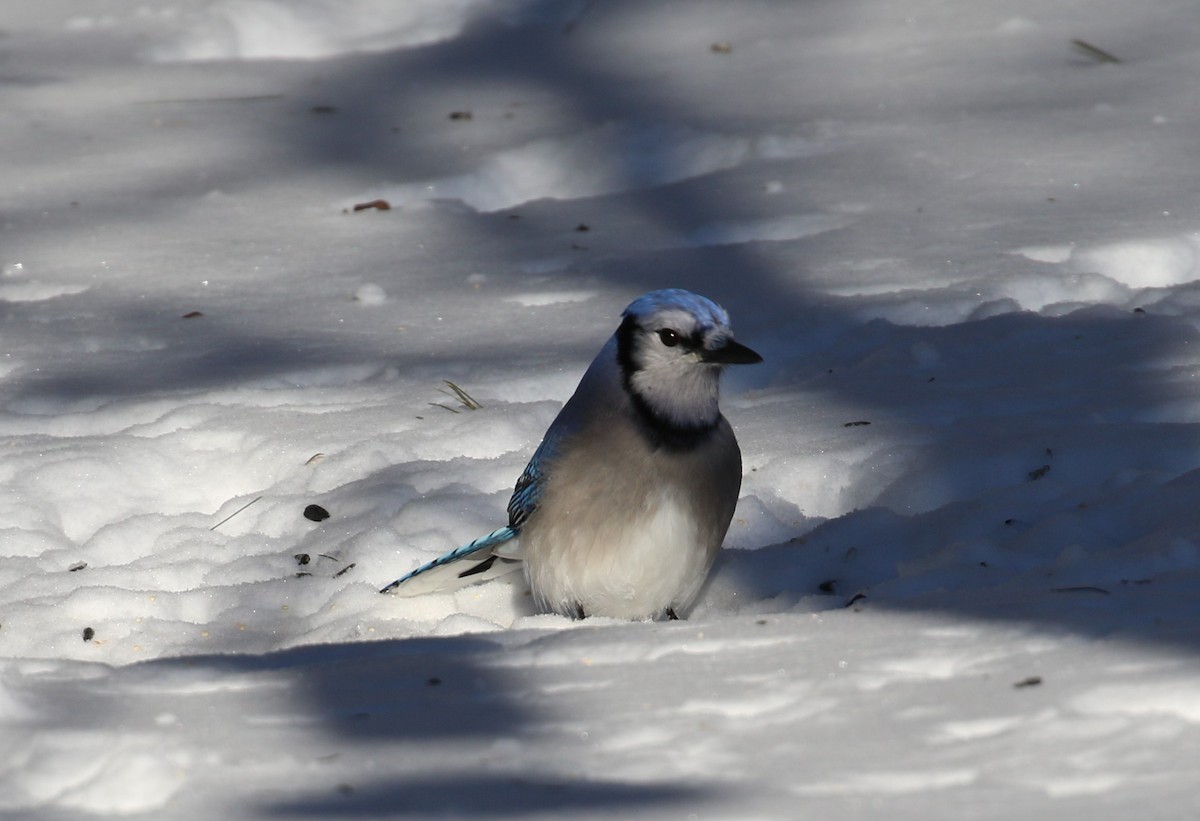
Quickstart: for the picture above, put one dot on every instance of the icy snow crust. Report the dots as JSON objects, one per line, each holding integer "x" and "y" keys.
{"x": 962, "y": 579}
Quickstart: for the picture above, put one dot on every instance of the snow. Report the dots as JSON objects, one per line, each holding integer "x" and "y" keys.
{"x": 961, "y": 580}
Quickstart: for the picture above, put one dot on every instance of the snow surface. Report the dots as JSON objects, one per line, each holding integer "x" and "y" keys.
{"x": 964, "y": 570}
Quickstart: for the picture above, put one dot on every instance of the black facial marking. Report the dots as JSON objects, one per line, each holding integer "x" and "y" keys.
{"x": 625, "y": 334}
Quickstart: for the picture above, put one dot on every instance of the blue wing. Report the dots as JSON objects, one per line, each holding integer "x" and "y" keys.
{"x": 529, "y": 487}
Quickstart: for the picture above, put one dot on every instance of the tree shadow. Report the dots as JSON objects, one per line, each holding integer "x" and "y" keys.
{"x": 1070, "y": 507}
{"x": 490, "y": 796}
{"x": 370, "y": 117}
{"x": 447, "y": 720}
{"x": 829, "y": 349}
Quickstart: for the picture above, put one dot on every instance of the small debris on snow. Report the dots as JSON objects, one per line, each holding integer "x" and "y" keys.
{"x": 236, "y": 512}
{"x": 316, "y": 513}
{"x": 1094, "y": 52}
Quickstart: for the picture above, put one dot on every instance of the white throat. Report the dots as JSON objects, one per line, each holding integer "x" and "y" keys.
{"x": 683, "y": 397}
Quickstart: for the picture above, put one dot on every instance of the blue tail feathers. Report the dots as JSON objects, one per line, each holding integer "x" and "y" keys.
{"x": 488, "y": 563}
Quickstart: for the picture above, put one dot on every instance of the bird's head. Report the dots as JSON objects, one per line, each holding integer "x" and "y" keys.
{"x": 671, "y": 347}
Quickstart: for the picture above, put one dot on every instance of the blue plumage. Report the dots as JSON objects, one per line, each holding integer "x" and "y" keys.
{"x": 707, "y": 314}
{"x": 624, "y": 505}
{"x": 483, "y": 545}
{"x": 529, "y": 486}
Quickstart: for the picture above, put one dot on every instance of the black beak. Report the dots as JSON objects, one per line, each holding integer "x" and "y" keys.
{"x": 732, "y": 353}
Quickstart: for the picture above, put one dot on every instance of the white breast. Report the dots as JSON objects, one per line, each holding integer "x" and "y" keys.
{"x": 632, "y": 568}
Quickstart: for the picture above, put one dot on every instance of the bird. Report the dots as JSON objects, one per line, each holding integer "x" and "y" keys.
{"x": 624, "y": 505}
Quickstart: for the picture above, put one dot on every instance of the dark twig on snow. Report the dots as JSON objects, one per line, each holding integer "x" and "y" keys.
{"x": 236, "y": 512}
{"x": 1098, "y": 54}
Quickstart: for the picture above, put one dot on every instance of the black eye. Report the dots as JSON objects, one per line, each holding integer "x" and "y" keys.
{"x": 669, "y": 338}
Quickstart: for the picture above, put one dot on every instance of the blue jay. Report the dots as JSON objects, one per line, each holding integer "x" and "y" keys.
{"x": 623, "y": 507}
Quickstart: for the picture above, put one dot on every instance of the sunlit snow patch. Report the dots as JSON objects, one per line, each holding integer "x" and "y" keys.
{"x": 314, "y": 29}
{"x": 370, "y": 294}
{"x": 1176, "y": 697}
{"x": 609, "y": 159}
{"x": 1147, "y": 263}
{"x": 1053, "y": 254}
{"x": 539, "y": 299}
{"x": 37, "y": 291}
